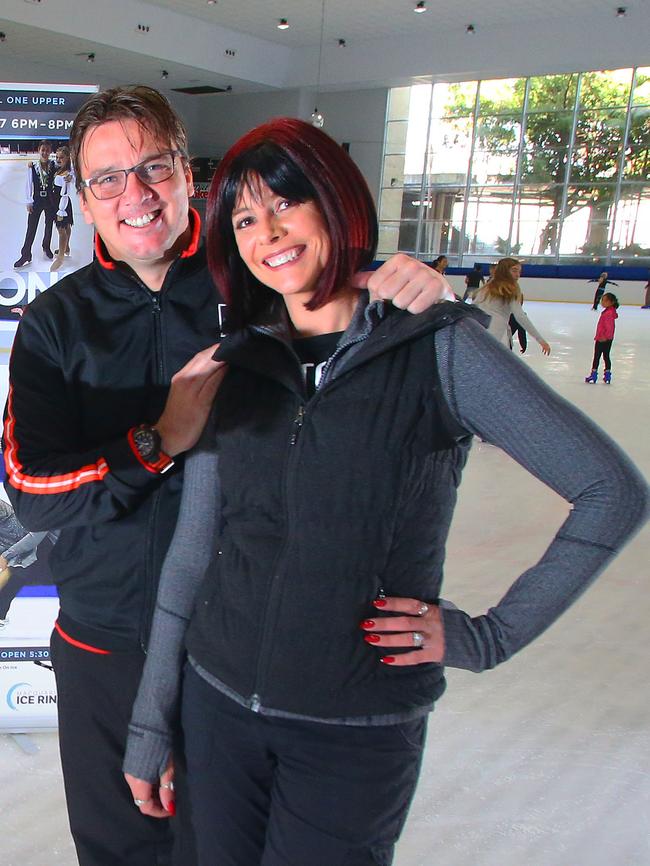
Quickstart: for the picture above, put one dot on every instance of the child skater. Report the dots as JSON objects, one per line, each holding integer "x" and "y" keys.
{"x": 604, "y": 337}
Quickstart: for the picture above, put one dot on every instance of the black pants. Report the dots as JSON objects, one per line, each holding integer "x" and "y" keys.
{"x": 597, "y": 297}
{"x": 515, "y": 328}
{"x": 267, "y": 791}
{"x": 95, "y": 696}
{"x": 40, "y": 206}
{"x": 602, "y": 348}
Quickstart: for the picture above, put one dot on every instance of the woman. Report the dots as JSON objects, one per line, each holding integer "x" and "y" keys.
{"x": 440, "y": 264}
{"x": 602, "y": 283}
{"x": 63, "y": 186}
{"x": 500, "y": 298}
{"x": 303, "y": 580}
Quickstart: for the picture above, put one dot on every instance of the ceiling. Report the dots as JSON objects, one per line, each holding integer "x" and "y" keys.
{"x": 236, "y": 43}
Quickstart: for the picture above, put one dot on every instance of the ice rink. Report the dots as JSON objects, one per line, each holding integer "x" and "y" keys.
{"x": 546, "y": 760}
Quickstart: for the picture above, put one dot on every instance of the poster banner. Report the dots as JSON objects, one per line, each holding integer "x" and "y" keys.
{"x": 43, "y": 238}
{"x": 39, "y": 212}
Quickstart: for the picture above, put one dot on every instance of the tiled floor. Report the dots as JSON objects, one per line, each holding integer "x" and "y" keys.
{"x": 544, "y": 761}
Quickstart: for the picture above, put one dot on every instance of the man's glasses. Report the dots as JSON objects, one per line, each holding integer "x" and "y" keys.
{"x": 151, "y": 171}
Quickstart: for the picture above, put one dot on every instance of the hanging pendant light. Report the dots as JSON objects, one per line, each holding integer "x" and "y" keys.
{"x": 317, "y": 118}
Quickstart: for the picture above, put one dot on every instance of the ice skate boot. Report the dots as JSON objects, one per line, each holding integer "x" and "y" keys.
{"x": 58, "y": 261}
{"x": 592, "y": 377}
{"x": 607, "y": 379}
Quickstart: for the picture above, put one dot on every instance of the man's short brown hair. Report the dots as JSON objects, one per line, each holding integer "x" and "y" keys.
{"x": 146, "y": 106}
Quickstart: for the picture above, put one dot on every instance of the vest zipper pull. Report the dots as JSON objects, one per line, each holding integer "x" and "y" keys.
{"x": 297, "y": 424}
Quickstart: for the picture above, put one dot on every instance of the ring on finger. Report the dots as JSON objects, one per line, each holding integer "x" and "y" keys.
{"x": 418, "y": 639}
{"x": 138, "y": 802}
{"x": 422, "y": 609}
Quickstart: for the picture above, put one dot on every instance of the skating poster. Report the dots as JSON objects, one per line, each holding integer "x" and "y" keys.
{"x": 42, "y": 238}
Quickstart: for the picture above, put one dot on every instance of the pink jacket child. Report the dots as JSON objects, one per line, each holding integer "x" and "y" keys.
{"x": 606, "y": 324}
{"x": 604, "y": 338}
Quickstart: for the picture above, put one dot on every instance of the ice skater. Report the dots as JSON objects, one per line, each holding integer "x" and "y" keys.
{"x": 646, "y": 298}
{"x": 63, "y": 185}
{"x": 603, "y": 282}
{"x": 39, "y": 199}
{"x": 604, "y": 338}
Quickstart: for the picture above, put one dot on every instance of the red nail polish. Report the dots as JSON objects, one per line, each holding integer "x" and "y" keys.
{"x": 372, "y": 638}
{"x": 368, "y": 623}
{"x": 380, "y": 602}
{"x": 171, "y": 807}
{"x": 388, "y": 660}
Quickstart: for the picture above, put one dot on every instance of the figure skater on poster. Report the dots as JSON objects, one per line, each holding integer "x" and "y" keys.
{"x": 63, "y": 188}
{"x": 39, "y": 198}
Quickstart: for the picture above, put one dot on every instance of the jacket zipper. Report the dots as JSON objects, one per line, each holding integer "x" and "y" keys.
{"x": 265, "y": 641}
{"x": 291, "y": 458}
{"x": 298, "y": 421}
{"x": 157, "y": 311}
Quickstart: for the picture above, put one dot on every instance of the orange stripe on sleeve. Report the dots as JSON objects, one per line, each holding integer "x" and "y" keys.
{"x": 44, "y": 483}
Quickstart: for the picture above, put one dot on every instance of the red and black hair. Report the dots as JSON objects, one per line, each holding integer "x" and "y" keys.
{"x": 302, "y": 163}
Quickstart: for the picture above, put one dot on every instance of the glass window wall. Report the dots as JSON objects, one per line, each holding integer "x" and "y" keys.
{"x": 553, "y": 168}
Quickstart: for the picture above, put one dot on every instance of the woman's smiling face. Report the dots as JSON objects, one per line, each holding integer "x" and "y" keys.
{"x": 285, "y": 244}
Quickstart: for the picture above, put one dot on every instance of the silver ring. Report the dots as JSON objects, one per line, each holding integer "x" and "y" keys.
{"x": 422, "y": 609}
{"x": 418, "y": 639}
{"x": 138, "y": 802}
{"x": 168, "y": 785}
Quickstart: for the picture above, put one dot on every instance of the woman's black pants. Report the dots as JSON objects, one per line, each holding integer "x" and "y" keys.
{"x": 270, "y": 791}
{"x": 602, "y": 348}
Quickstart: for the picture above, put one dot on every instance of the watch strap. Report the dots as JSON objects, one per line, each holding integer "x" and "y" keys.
{"x": 159, "y": 462}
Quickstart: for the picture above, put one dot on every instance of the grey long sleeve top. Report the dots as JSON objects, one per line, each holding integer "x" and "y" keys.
{"x": 500, "y": 312}
{"x": 548, "y": 436}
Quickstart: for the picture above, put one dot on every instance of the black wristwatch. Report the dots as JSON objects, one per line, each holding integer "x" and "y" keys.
{"x": 147, "y": 443}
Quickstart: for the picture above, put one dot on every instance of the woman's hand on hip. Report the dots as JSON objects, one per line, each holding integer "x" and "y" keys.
{"x": 418, "y": 627}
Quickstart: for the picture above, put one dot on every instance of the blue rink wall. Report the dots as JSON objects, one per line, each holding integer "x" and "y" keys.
{"x": 564, "y": 283}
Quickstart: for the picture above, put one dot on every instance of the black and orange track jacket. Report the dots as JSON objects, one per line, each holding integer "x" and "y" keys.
{"x": 93, "y": 358}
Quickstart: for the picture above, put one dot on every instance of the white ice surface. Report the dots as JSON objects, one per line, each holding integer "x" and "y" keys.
{"x": 544, "y": 761}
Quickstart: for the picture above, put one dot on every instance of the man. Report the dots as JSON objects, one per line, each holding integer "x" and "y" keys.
{"x": 473, "y": 281}
{"x": 94, "y": 434}
{"x": 39, "y": 198}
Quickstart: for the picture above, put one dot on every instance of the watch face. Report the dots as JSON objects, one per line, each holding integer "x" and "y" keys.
{"x": 146, "y": 441}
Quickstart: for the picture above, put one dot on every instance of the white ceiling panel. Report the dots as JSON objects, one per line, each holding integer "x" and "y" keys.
{"x": 236, "y": 43}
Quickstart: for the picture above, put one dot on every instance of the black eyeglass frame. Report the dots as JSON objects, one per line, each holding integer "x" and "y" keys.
{"x": 88, "y": 184}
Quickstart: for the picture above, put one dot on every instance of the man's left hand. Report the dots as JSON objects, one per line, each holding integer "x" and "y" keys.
{"x": 408, "y": 283}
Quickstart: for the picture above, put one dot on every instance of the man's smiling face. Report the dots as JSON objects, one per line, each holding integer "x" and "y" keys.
{"x": 144, "y": 225}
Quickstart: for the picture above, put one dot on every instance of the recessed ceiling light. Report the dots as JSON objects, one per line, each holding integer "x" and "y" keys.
{"x": 212, "y": 2}
{"x": 420, "y": 7}
{"x": 470, "y": 29}
{"x": 621, "y": 11}
{"x": 342, "y": 43}
{"x": 90, "y": 58}
{"x": 283, "y": 24}
{"x": 164, "y": 74}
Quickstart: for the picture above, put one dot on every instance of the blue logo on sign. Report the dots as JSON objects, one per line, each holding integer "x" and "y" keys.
{"x": 11, "y": 699}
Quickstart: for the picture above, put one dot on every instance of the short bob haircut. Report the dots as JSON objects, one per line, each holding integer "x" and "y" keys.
{"x": 300, "y": 162}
